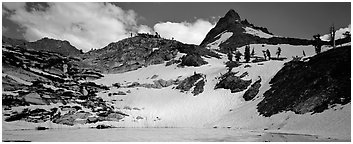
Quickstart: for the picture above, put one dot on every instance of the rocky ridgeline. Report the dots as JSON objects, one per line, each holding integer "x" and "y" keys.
{"x": 157, "y": 84}
{"x": 141, "y": 51}
{"x": 62, "y": 47}
{"x": 310, "y": 86}
{"x": 194, "y": 83}
{"x": 48, "y": 79}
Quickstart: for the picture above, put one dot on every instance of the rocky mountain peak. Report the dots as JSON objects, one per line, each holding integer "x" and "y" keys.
{"x": 231, "y": 32}
{"x": 231, "y": 15}
{"x": 231, "y": 22}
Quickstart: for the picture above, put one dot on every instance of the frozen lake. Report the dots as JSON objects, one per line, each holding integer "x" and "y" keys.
{"x": 152, "y": 134}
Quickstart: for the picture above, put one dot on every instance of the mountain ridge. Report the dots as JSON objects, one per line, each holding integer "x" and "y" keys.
{"x": 241, "y": 35}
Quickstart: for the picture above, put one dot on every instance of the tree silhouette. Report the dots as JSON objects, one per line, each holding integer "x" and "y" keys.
{"x": 278, "y": 52}
{"x": 237, "y": 55}
{"x": 317, "y": 43}
{"x": 230, "y": 55}
{"x": 247, "y": 53}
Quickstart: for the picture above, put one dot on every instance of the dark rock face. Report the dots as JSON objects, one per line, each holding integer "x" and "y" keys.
{"x": 311, "y": 86}
{"x": 252, "y": 91}
{"x": 231, "y": 15}
{"x": 198, "y": 87}
{"x": 232, "y": 82}
{"x": 197, "y": 81}
{"x": 52, "y": 45}
{"x": 102, "y": 126}
{"x": 232, "y": 64}
{"x": 231, "y": 22}
{"x": 192, "y": 60}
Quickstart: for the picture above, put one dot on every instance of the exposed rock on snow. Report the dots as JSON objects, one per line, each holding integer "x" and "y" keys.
{"x": 192, "y": 60}
{"x": 232, "y": 82}
{"x": 196, "y": 81}
{"x": 253, "y": 90}
{"x": 258, "y": 33}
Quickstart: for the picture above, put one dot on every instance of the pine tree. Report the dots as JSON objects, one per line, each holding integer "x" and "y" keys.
{"x": 317, "y": 43}
{"x": 237, "y": 55}
{"x": 247, "y": 53}
{"x": 230, "y": 55}
{"x": 332, "y": 36}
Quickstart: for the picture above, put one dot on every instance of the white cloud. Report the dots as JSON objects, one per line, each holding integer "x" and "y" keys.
{"x": 192, "y": 33}
{"x": 145, "y": 29}
{"x": 95, "y": 25}
{"x": 338, "y": 35}
{"x": 84, "y": 25}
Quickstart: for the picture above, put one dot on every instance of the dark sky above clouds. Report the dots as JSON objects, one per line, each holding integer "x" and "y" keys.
{"x": 94, "y": 25}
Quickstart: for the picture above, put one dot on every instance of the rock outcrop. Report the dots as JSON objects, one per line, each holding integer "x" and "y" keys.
{"x": 311, "y": 86}
{"x": 192, "y": 60}
{"x": 53, "y": 45}
{"x": 196, "y": 81}
{"x": 253, "y": 90}
{"x": 230, "y": 81}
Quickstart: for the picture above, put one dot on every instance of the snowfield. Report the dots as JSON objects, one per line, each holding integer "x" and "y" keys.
{"x": 167, "y": 107}
{"x": 157, "y": 135}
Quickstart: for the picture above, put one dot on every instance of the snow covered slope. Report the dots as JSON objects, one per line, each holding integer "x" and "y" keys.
{"x": 222, "y": 38}
{"x": 176, "y": 109}
{"x": 258, "y": 33}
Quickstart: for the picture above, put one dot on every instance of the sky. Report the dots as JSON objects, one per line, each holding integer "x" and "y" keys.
{"x": 95, "y": 25}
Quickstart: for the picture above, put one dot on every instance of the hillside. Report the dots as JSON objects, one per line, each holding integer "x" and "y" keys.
{"x": 45, "y": 44}
{"x": 52, "y": 45}
{"x": 144, "y": 50}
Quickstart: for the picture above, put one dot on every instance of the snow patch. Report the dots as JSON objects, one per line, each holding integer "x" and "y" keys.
{"x": 42, "y": 72}
{"x": 258, "y": 33}
{"x": 224, "y": 36}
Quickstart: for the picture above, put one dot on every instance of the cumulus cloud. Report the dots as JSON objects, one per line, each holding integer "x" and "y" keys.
{"x": 145, "y": 29}
{"x": 84, "y": 25}
{"x": 192, "y": 33}
{"x": 338, "y": 35}
{"x": 94, "y": 25}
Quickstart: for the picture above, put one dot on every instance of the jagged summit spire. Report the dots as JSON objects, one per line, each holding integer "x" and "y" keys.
{"x": 231, "y": 14}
